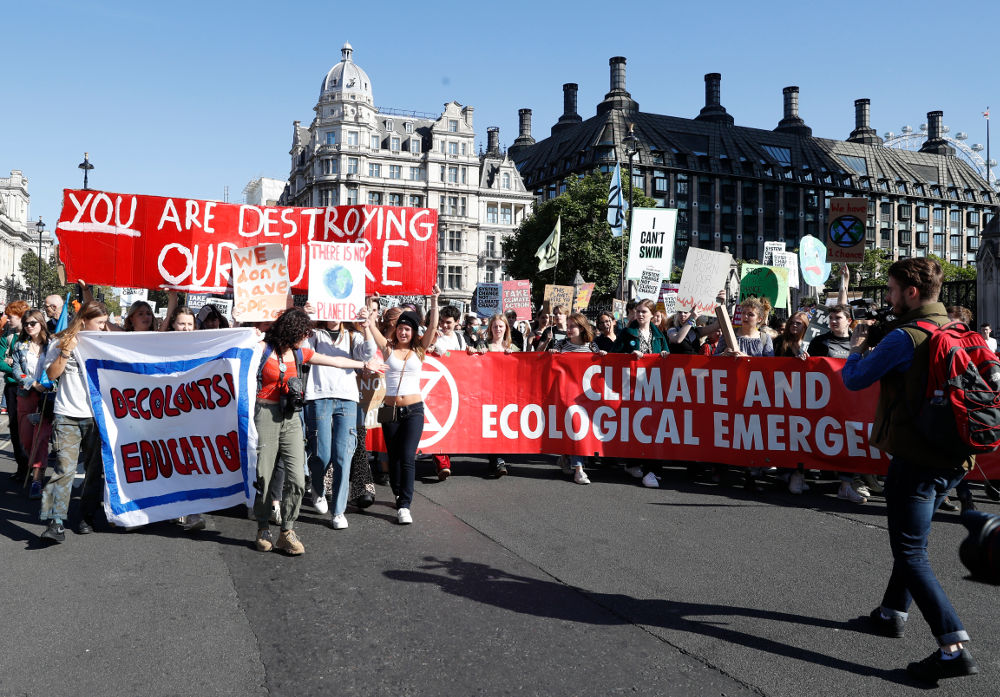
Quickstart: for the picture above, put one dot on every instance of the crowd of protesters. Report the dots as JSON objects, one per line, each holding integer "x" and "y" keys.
{"x": 319, "y": 454}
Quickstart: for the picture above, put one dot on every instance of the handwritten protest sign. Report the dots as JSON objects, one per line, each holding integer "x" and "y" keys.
{"x": 583, "y": 294}
{"x": 184, "y": 244}
{"x": 788, "y": 260}
{"x": 517, "y": 297}
{"x": 557, "y": 295}
{"x": 260, "y": 283}
{"x": 651, "y": 241}
{"x": 812, "y": 261}
{"x": 845, "y": 234}
{"x": 769, "y": 282}
{"x": 336, "y": 280}
{"x": 703, "y": 277}
{"x": 488, "y": 299}
{"x": 769, "y": 249}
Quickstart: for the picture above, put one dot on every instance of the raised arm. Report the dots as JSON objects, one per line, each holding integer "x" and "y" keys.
{"x": 171, "y": 308}
{"x": 845, "y": 279}
{"x": 427, "y": 340}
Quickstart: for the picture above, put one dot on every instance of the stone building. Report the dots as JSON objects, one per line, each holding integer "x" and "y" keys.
{"x": 354, "y": 152}
{"x": 736, "y": 187}
{"x": 18, "y": 234}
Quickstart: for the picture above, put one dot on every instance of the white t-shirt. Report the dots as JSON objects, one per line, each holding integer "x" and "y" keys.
{"x": 327, "y": 382}
{"x": 992, "y": 343}
{"x": 454, "y": 342}
{"x": 72, "y": 398}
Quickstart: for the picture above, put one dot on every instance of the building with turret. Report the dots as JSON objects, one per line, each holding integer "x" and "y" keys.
{"x": 737, "y": 187}
{"x": 354, "y": 152}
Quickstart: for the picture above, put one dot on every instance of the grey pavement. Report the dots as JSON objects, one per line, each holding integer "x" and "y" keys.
{"x": 528, "y": 585}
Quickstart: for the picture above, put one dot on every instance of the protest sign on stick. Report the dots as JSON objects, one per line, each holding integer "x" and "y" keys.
{"x": 488, "y": 299}
{"x": 557, "y": 295}
{"x": 769, "y": 282}
{"x": 336, "y": 280}
{"x": 517, "y": 297}
{"x": 769, "y": 249}
{"x": 648, "y": 285}
{"x": 703, "y": 277}
{"x": 789, "y": 261}
{"x": 260, "y": 283}
{"x": 583, "y": 294}
{"x": 722, "y": 314}
{"x": 651, "y": 241}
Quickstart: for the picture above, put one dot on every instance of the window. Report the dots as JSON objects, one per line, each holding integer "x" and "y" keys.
{"x": 388, "y": 124}
{"x": 885, "y": 211}
{"x": 973, "y": 218}
{"x": 394, "y": 144}
{"x": 491, "y": 274}
{"x": 463, "y": 148}
{"x": 506, "y": 214}
{"x": 328, "y": 197}
{"x": 443, "y": 169}
{"x": 454, "y": 240}
{"x": 452, "y": 147}
{"x": 938, "y": 242}
{"x": 331, "y": 138}
{"x": 453, "y": 125}
{"x": 414, "y": 145}
{"x": 352, "y": 197}
{"x": 352, "y": 138}
{"x": 352, "y": 165}
{"x": 408, "y": 127}
{"x": 858, "y": 164}
{"x": 491, "y": 245}
{"x": 461, "y": 206}
{"x": 455, "y": 277}
{"x": 330, "y": 166}
{"x": 904, "y": 211}
{"x": 922, "y": 212}
{"x": 374, "y": 198}
{"x": 416, "y": 174}
{"x": 442, "y": 277}
{"x": 781, "y": 155}
{"x": 395, "y": 199}
{"x": 376, "y": 142}
{"x": 505, "y": 179}
{"x": 638, "y": 182}
{"x": 450, "y": 205}
{"x": 453, "y": 175}
{"x": 395, "y": 171}
{"x": 417, "y": 201}
{"x": 491, "y": 213}
{"x": 465, "y": 175}
{"x": 374, "y": 170}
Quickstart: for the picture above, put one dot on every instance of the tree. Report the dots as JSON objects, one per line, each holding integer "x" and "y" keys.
{"x": 50, "y": 282}
{"x": 873, "y": 271}
{"x": 954, "y": 272}
{"x": 586, "y": 244}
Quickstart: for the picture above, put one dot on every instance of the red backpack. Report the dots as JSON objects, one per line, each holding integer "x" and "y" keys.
{"x": 962, "y": 405}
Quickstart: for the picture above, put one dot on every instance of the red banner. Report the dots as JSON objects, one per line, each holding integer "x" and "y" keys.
{"x": 757, "y": 412}
{"x": 129, "y": 240}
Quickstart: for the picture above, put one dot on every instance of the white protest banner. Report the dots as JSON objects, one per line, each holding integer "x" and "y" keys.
{"x": 337, "y": 280}
{"x": 127, "y": 296}
{"x": 790, "y": 261}
{"x": 651, "y": 242}
{"x": 488, "y": 299}
{"x": 648, "y": 285}
{"x": 769, "y": 249}
{"x": 174, "y": 411}
{"x": 703, "y": 277}
{"x": 260, "y": 282}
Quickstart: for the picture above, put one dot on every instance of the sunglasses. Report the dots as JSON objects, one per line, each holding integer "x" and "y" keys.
{"x": 31, "y": 323}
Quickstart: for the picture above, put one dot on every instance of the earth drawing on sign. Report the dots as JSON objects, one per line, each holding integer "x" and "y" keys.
{"x": 338, "y": 281}
{"x": 847, "y": 231}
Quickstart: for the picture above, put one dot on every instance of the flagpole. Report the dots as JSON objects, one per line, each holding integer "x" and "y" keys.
{"x": 989, "y": 170}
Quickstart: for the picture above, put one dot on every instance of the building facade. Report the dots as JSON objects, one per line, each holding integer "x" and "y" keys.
{"x": 354, "y": 153}
{"x": 264, "y": 191}
{"x": 18, "y": 234}
{"x": 737, "y": 187}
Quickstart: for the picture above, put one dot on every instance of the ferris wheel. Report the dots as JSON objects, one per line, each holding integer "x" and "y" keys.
{"x": 909, "y": 139}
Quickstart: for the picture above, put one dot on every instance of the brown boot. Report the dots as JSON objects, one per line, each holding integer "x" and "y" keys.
{"x": 289, "y": 543}
{"x": 265, "y": 543}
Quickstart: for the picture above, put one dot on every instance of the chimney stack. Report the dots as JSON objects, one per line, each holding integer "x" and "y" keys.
{"x": 863, "y": 132}
{"x": 493, "y": 141}
{"x": 617, "y": 74}
{"x": 936, "y": 142}
{"x": 618, "y": 97}
{"x": 713, "y": 109}
{"x": 569, "y": 115}
{"x": 791, "y": 123}
{"x": 524, "y": 139}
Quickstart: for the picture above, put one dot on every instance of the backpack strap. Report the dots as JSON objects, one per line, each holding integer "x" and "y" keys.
{"x": 260, "y": 366}
{"x": 302, "y": 368}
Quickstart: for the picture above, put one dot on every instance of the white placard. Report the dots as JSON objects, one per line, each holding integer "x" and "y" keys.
{"x": 337, "y": 280}
{"x": 651, "y": 242}
{"x": 703, "y": 277}
{"x": 790, "y": 261}
{"x": 769, "y": 249}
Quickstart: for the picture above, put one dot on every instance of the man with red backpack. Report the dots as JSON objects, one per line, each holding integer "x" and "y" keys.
{"x": 921, "y": 471}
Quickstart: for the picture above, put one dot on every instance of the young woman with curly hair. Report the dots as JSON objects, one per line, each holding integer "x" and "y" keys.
{"x": 279, "y": 425}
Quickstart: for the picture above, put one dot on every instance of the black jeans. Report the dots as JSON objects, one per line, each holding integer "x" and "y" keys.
{"x": 20, "y": 457}
{"x": 401, "y": 439}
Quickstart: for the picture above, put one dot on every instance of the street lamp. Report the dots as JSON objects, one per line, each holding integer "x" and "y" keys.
{"x": 631, "y": 144}
{"x": 86, "y": 167}
{"x": 40, "y": 226}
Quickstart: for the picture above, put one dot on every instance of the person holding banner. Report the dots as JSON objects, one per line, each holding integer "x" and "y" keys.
{"x": 405, "y": 351}
{"x": 73, "y": 429}
{"x": 639, "y": 339}
{"x": 280, "y": 398}
{"x": 8, "y": 344}
{"x": 684, "y": 333}
{"x": 139, "y": 318}
{"x": 556, "y": 331}
{"x": 331, "y": 411}
{"x": 790, "y": 341}
{"x": 499, "y": 339}
{"x": 605, "y": 338}
{"x": 34, "y": 426}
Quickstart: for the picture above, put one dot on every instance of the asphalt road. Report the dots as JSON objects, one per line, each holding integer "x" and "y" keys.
{"x": 530, "y": 585}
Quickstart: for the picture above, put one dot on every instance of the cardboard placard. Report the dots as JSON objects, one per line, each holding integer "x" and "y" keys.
{"x": 260, "y": 282}
{"x": 703, "y": 277}
{"x": 557, "y": 295}
{"x": 583, "y": 293}
{"x": 845, "y": 234}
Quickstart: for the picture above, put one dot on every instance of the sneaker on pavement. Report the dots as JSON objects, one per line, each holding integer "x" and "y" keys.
{"x": 265, "y": 543}
{"x": 288, "y": 542}
{"x": 85, "y": 527}
{"x": 403, "y": 516}
{"x": 863, "y": 490}
{"x": 443, "y": 473}
{"x": 936, "y": 667}
{"x": 319, "y": 502}
{"x": 275, "y": 518}
{"x": 580, "y": 477}
{"x": 339, "y": 522}
{"x": 635, "y": 471}
{"x": 891, "y": 627}
{"x": 54, "y": 532}
{"x": 650, "y": 481}
{"x": 501, "y": 468}
{"x": 796, "y": 482}
{"x": 193, "y": 523}
{"x": 948, "y": 505}
{"x": 848, "y": 493}
{"x": 35, "y": 492}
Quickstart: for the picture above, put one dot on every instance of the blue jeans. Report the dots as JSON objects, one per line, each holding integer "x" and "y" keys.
{"x": 912, "y": 494}
{"x": 331, "y": 436}
{"x": 401, "y": 440}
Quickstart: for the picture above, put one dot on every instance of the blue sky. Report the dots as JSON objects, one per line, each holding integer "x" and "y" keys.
{"x": 186, "y": 98}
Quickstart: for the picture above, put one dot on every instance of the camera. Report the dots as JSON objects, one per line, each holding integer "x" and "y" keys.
{"x": 980, "y": 551}
{"x": 294, "y": 397}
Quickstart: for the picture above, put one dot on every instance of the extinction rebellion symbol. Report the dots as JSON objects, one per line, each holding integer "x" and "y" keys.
{"x": 847, "y": 231}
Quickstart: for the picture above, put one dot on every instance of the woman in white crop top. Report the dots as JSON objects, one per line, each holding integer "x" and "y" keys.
{"x": 404, "y": 351}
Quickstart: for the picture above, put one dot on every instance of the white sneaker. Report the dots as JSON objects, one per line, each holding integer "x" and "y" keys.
{"x": 193, "y": 523}
{"x": 339, "y": 522}
{"x": 581, "y": 477}
{"x": 796, "y": 482}
{"x": 650, "y": 481}
{"x": 635, "y": 471}
{"x": 848, "y": 493}
{"x": 863, "y": 490}
{"x": 319, "y": 502}
{"x": 403, "y": 516}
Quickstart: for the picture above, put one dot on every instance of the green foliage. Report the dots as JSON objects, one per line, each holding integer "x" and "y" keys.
{"x": 51, "y": 285}
{"x": 874, "y": 271}
{"x": 587, "y": 245}
{"x": 954, "y": 272}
